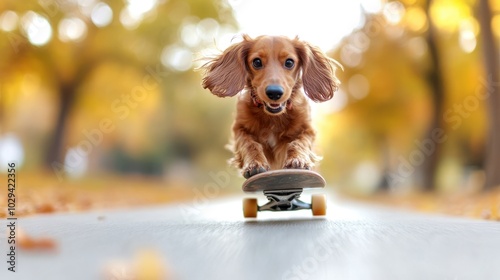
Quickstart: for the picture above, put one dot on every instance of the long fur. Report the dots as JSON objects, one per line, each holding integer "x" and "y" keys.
{"x": 264, "y": 139}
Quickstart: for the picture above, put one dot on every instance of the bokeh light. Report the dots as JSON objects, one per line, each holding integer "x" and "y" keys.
{"x": 177, "y": 58}
{"x": 371, "y": 6}
{"x": 416, "y": 19}
{"x": 447, "y": 14}
{"x": 76, "y": 162}
{"x": 102, "y": 15}
{"x": 37, "y": 28}
{"x": 358, "y": 86}
{"x": 394, "y": 12}
{"x": 467, "y": 36}
{"x": 417, "y": 47}
{"x": 11, "y": 150}
{"x": 72, "y": 29}
{"x": 9, "y": 21}
{"x": 134, "y": 12}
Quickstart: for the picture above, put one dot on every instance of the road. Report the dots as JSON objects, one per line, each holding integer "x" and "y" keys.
{"x": 211, "y": 240}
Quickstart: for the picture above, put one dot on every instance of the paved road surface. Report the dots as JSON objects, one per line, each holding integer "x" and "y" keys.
{"x": 213, "y": 241}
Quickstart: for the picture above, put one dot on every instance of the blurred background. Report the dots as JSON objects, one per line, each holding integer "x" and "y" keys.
{"x": 108, "y": 89}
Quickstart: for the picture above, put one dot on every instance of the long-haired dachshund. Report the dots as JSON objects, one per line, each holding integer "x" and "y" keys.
{"x": 273, "y": 128}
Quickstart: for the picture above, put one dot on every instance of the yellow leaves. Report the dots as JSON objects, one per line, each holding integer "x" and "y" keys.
{"x": 495, "y": 25}
{"x": 448, "y": 14}
{"x": 26, "y": 96}
{"x": 415, "y": 19}
{"x": 495, "y": 6}
{"x": 149, "y": 265}
{"x": 123, "y": 96}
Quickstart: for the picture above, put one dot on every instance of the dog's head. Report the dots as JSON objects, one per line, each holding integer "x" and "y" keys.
{"x": 273, "y": 68}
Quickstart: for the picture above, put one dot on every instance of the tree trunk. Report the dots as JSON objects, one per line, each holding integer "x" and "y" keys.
{"x": 435, "y": 80}
{"x": 491, "y": 58}
{"x": 55, "y": 149}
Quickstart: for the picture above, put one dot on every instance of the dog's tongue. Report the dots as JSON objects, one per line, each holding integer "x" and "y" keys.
{"x": 274, "y": 105}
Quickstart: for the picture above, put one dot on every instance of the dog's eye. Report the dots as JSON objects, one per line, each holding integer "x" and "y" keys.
{"x": 257, "y": 63}
{"x": 289, "y": 63}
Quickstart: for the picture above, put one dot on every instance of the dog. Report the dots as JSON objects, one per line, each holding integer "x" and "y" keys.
{"x": 272, "y": 128}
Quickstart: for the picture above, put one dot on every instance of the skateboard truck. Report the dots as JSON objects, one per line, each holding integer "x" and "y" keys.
{"x": 284, "y": 200}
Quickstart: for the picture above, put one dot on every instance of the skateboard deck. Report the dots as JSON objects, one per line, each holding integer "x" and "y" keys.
{"x": 283, "y": 189}
{"x": 284, "y": 179}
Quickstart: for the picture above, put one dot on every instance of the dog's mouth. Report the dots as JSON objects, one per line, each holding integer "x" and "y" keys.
{"x": 275, "y": 108}
{"x": 270, "y": 107}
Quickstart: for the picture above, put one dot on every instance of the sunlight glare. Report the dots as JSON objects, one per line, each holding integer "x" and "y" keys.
{"x": 37, "y": 28}
{"x": 394, "y": 12}
{"x": 341, "y": 101}
{"x": 8, "y": 21}
{"x": 207, "y": 29}
{"x": 467, "y": 41}
{"x": 367, "y": 176}
{"x": 358, "y": 86}
{"x": 128, "y": 21}
{"x": 468, "y": 30}
{"x": 371, "y": 6}
{"x": 11, "y": 150}
{"x": 86, "y": 6}
{"x": 76, "y": 162}
{"x": 133, "y": 13}
{"x": 321, "y": 22}
{"x": 360, "y": 41}
{"x": 101, "y": 14}
{"x": 137, "y": 8}
{"x": 72, "y": 29}
{"x": 189, "y": 36}
{"x": 350, "y": 56}
{"x": 86, "y": 3}
{"x": 177, "y": 58}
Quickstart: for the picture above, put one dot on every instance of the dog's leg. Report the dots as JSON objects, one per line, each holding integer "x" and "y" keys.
{"x": 299, "y": 153}
{"x": 249, "y": 154}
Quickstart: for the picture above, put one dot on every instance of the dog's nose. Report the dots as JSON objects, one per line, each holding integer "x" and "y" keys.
{"x": 274, "y": 92}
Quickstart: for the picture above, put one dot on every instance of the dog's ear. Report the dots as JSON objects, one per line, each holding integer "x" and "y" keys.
{"x": 226, "y": 74}
{"x": 318, "y": 72}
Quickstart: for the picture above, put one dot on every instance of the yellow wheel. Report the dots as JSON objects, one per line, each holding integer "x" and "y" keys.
{"x": 318, "y": 204}
{"x": 250, "y": 207}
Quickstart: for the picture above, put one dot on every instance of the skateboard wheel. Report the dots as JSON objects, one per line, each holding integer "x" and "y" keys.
{"x": 318, "y": 204}
{"x": 250, "y": 208}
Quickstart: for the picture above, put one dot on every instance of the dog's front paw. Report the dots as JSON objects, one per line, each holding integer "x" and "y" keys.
{"x": 253, "y": 169}
{"x": 297, "y": 163}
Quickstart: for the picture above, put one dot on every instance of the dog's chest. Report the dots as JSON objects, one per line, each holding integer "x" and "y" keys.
{"x": 272, "y": 137}
{"x": 273, "y": 134}
{"x": 271, "y": 140}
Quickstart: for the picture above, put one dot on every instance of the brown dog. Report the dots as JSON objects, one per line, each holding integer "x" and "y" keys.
{"x": 273, "y": 128}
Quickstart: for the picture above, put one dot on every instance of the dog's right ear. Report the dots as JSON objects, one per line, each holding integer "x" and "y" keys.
{"x": 226, "y": 74}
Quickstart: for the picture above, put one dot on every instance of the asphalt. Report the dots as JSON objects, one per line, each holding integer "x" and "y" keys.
{"x": 211, "y": 240}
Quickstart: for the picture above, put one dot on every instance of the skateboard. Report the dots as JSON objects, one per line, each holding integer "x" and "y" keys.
{"x": 283, "y": 189}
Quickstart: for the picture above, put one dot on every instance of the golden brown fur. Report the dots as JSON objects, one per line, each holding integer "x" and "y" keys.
{"x": 272, "y": 129}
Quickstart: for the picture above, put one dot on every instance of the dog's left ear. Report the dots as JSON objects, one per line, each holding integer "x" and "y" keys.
{"x": 318, "y": 72}
{"x": 226, "y": 74}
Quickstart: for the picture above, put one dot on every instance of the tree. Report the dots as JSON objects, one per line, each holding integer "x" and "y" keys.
{"x": 491, "y": 58}
{"x": 435, "y": 80}
{"x": 136, "y": 35}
